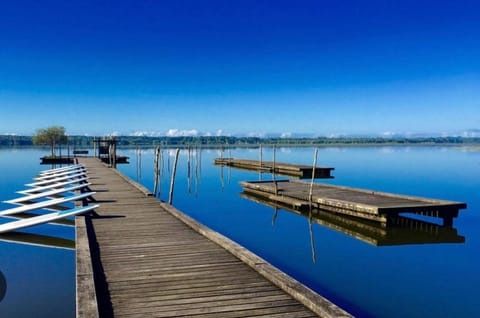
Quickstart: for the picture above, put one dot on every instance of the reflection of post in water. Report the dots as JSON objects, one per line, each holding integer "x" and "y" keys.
{"x": 139, "y": 163}
{"x": 3, "y": 286}
{"x": 229, "y": 166}
{"x": 275, "y": 214}
{"x": 197, "y": 169}
{"x": 312, "y": 240}
{"x": 221, "y": 171}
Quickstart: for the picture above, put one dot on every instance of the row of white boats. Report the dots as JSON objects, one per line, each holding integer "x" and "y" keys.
{"x": 52, "y": 190}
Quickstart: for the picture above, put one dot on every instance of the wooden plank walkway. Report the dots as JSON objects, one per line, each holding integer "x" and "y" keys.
{"x": 367, "y": 204}
{"x": 286, "y": 169}
{"x": 150, "y": 260}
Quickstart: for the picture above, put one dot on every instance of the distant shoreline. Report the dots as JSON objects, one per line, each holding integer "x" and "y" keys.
{"x": 228, "y": 141}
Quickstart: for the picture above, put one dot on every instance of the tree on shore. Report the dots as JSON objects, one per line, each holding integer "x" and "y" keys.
{"x": 50, "y": 136}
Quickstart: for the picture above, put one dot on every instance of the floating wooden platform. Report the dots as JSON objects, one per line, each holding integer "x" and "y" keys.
{"x": 401, "y": 230}
{"x": 150, "y": 260}
{"x": 286, "y": 169}
{"x": 47, "y": 160}
{"x": 366, "y": 204}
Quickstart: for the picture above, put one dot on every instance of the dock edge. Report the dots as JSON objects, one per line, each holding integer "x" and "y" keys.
{"x": 86, "y": 296}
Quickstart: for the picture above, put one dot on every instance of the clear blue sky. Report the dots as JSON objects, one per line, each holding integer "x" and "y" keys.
{"x": 317, "y": 67}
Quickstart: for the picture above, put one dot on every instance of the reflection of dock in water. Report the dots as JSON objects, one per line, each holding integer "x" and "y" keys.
{"x": 65, "y": 222}
{"x": 400, "y": 231}
{"x": 38, "y": 240}
{"x": 286, "y": 169}
{"x": 366, "y": 204}
{"x": 3, "y": 286}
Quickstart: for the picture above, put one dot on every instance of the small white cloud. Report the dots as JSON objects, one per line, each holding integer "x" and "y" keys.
{"x": 139, "y": 133}
{"x": 182, "y": 133}
{"x": 388, "y": 134}
{"x": 256, "y": 134}
{"x": 286, "y": 135}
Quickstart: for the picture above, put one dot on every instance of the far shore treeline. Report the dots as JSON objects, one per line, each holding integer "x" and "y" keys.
{"x": 212, "y": 141}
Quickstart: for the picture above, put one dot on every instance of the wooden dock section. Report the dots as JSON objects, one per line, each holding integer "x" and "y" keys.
{"x": 286, "y": 169}
{"x": 139, "y": 257}
{"x": 401, "y": 230}
{"x": 366, "y": 204}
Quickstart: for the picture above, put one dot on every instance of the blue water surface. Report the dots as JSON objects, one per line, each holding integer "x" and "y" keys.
{"x": 38, "y": 281}
{"x": 432, "y": 279}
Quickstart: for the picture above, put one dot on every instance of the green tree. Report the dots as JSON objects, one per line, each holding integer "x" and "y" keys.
{"x": 50, "y": 136}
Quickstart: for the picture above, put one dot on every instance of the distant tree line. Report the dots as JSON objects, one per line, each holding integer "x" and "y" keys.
{"x": 134, "y": 141}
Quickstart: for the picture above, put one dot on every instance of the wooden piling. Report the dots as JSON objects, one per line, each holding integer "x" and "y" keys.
{"x": 172, "y": 180}
{"x": 313, "y": 175}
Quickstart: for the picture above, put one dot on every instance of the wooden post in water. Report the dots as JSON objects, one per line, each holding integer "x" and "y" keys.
{"x": 113, "y": 141}
{"x": 198, "y": 150}
{"x": 156, "y": 168}
{"x": 110, "y": 155}
{"x": 172, "y": 180}
{"x": 139, "y": 163}
{"x": 313, "y": 176}
{"x": 273, "y": 169}
{"x": 221, "y": 171}
{"x": 229, "y": 166}
{"x": 115, "y": 152}
{"x": 260, "y": 150}
{"x": 189, "y": 170}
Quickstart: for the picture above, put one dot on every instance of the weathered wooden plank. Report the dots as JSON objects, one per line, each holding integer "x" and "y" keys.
{"x": 86, "y": 297}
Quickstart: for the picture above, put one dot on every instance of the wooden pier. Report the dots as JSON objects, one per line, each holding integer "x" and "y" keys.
{"x": 371, "y": 205}
{"x": 138, "y": 257}
{"x": 286, "y": 169}
{"x": 401, "y": 230}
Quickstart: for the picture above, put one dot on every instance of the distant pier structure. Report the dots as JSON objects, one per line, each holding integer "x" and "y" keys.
{"x": 105, "y": 148}
{"x": 286, "y": 169}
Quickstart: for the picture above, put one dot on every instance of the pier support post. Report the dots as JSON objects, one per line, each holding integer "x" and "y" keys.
{"x": 172, "y": 180}
{"x": 448, "y": 221}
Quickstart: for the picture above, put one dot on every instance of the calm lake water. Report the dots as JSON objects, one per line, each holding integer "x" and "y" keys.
{"x": 36, "y": 279}
{"x": 371, "y": 273}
